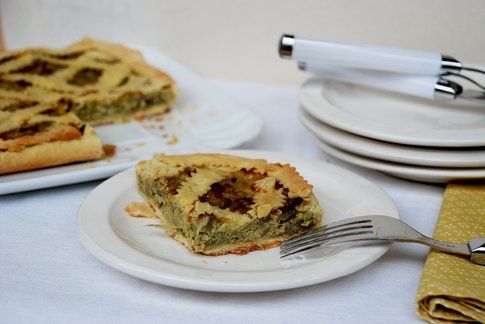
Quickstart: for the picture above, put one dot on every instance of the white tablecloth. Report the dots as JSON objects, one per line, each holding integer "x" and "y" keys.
{"x": 46, "y": 276}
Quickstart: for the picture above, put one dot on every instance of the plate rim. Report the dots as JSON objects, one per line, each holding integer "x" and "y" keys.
{"x": 405, "y": 170}
{"x": 386, "y": 151}
{"x": 138, "y": 271}
{"x": 332, "y": 115}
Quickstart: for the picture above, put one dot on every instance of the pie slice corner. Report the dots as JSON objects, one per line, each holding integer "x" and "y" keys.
{"x": 218, "y": 204}
{"x": 32, "y": 140}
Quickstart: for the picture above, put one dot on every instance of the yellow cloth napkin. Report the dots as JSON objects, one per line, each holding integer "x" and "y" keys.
{"x": 452, "y": 288}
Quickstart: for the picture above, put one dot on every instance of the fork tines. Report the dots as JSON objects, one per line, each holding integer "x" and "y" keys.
{"x": 355, "y": 229}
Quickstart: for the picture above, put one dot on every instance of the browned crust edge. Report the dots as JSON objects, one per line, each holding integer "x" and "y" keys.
{"x": 53, "y": 153}
{"x": 239, "y": 249}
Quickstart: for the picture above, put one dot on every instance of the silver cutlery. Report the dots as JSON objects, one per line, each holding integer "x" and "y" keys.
{"x": 375, "y": 229}
{"x": 418, "y": 73}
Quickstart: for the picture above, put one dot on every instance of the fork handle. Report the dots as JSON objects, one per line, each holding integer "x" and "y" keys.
{"x": 457, "y": 248}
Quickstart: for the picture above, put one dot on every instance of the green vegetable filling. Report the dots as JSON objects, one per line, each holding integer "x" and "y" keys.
{"x": 126, "y": 105}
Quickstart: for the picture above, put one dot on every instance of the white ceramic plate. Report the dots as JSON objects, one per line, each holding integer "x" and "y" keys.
{"x": 124, "y": 243}
{"x": 202, "y": 117}
{"x": 410, "y": 172}
{"x": 393, "y": 117}
{"x": 435, "y": 157}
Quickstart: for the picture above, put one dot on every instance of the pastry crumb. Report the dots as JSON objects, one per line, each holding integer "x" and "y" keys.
{"x": 140, "y": 117}
{"x": 204, "y": 261}
{"x": 173, "y": 141}
{"x": 165, "y": 135}
{"x": 157, "y": 118}
{"x": 140, "y": 144}
{"x": 109, "y": 150}
{"x": 140, "y": 210}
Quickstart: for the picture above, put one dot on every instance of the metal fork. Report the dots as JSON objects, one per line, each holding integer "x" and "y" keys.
{"x": 372, "y": 229}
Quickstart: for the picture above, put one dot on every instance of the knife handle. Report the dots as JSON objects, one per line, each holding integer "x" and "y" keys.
{"x": 368, "y": 57}
{"x": 430, "y": 87}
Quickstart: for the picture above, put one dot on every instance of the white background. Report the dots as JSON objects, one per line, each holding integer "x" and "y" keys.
{"x": 237, "y": 39}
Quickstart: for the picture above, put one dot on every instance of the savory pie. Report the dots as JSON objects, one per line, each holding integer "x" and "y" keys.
{"x": 217, "y": 204}
{"x": 48, "y": 96}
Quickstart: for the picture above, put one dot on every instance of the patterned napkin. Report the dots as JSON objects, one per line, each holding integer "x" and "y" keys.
{"x": 452, "y": 288}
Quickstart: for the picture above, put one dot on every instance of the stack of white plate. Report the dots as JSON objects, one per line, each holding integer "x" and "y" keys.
{"x": 411, "y": 138}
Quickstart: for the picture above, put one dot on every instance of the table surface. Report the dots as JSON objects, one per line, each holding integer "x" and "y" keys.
{"x": 47, "y": 276}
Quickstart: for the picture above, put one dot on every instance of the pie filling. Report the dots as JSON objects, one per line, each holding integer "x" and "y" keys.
{"x": 125, "y": 106}
{"x": 233, "y": 193}
{"x": 212, "y": 235}
{"x": 210, "y": 230}
{"x": 86, "y": 76}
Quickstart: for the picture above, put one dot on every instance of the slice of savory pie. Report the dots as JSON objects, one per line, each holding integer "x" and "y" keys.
{"x": 217, "y": 204}
{"x": 39, "y": 136}
{"x": 48, "y": 96}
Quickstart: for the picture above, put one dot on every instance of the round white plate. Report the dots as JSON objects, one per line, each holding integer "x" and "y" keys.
{"x": 124, "y": 243}
{"x": 392, "y": 117}
{"x": 435, "y": 157}
{"x": 411, "y": 172}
